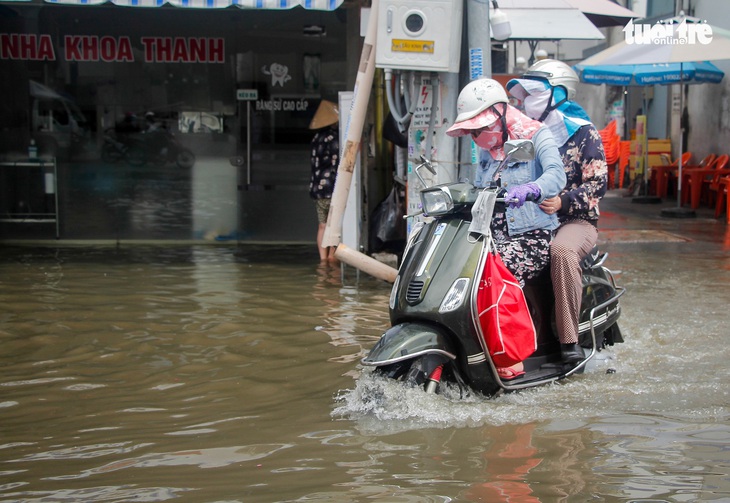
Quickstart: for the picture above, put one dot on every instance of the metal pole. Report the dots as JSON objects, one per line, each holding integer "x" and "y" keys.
{"x": 681, "y": 137}
{"x": 480, "y": 45}
{"x": 248, "y": 143}
{"x": 480, "y": 64}
{"x": 678, "y": 211}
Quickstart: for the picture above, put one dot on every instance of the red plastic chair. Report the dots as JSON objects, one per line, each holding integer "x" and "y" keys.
{"x": 610, "y": 142}
{"x": 718, "y": 190}
{"x": 704, "y": 163}
{"x": 697, "y": 179}
{"x": 713, "y": 188}
{"x": 721, "y": 194}
{"x": 666, "y": 175}
{"x": 611, "y": 148}
{"x": 623, "y": 161}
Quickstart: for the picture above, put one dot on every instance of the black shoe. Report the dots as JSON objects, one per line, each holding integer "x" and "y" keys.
{"x": 572, "y": 353}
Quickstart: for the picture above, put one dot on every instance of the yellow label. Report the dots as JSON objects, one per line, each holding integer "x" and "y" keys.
{"x": 400, "y": 45}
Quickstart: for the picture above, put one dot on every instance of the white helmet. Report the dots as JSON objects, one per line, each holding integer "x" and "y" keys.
{"x": 556, "y": 73}
{"x": 477, "y": 96}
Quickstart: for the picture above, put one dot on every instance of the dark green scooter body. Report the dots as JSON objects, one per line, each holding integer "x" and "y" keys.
{"x": 443, "y": 252}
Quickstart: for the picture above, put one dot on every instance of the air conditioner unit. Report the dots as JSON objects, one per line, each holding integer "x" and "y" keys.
{"x": 419, "y": 35}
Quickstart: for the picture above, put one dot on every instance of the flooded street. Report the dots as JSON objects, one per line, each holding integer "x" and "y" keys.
{"x": 231, "y": 374}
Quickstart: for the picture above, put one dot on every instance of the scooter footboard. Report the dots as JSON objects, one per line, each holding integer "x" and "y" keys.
{"x": 409, "y": 340}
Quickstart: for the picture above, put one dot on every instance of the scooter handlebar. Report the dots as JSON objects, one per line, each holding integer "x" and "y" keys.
{"x": 530, "y": 197}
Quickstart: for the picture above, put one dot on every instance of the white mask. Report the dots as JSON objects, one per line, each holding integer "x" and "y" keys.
{"x": 536, "y": 104}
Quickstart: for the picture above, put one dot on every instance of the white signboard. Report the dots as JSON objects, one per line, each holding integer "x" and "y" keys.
{"x": 422, "y": 114}
{"x": 247, "y": 94}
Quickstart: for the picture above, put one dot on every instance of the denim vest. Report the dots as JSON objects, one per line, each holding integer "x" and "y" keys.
{"x": 546, "y": 170}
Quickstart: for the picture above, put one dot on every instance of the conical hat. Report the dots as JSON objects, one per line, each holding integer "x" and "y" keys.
{"x": 326, "y": 115}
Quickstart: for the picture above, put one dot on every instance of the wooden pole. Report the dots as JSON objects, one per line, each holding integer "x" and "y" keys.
{"x": 361, "y": 95}
{"x": 365, "y": 263}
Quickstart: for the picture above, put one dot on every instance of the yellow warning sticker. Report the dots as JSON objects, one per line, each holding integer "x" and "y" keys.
{"x": 401, "y": 45}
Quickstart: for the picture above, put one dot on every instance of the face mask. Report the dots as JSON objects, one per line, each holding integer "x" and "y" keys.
{"x": 490, "y": 138}
{"x": 536, "y": 104}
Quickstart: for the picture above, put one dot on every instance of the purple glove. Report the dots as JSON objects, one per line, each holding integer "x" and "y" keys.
{"x": 516, "y": 196}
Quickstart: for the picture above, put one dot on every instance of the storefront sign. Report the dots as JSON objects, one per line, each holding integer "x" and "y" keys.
{"x": 247, "y": 94}
{"x": 32, "y": 47}
{"x": 277, "y": 105}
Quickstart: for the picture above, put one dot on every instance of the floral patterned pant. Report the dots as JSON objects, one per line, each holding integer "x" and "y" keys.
{"x": 525, "y": 255}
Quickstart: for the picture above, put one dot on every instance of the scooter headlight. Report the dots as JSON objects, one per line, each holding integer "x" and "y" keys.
{"x": 436, "y": 201}
{"x": 455, "y": 296}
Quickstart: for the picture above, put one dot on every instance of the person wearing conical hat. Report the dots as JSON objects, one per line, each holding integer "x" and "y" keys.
{"x": 325, "y": 158}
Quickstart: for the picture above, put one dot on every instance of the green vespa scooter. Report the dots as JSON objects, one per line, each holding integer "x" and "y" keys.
{"x": 435, "y": 334}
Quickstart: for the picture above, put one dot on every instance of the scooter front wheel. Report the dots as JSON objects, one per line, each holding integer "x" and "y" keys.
{"x": 110, "y": 154}
{"x": 136, "y": 156}
{"x": 185, "y": 159}
{"x": 423, "y": 372}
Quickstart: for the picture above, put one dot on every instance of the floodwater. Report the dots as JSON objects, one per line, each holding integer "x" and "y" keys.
{"x": 231, "y": 374}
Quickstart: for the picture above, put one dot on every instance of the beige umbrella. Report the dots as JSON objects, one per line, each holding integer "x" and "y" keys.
{"x": 603, "y": 13}
{"x": 680, "y": 39}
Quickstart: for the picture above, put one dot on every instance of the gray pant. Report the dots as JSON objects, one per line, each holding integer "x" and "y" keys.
{"x": 572, "y": 243}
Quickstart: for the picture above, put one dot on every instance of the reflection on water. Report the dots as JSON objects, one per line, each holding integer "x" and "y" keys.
{"x": 218, "y": 373}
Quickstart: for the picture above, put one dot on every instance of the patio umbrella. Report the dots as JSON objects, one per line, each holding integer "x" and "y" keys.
{"x": 533, "y": 21}
{"x": 651, "y": 74}
{"x": 680, "y": 39}
{"x": 682, "y": 44}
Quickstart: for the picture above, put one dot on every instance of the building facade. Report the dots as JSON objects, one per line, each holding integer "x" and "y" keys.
{"x": 167, "y": 122}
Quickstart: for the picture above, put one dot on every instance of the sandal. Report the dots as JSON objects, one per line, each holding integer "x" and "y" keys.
{"x": 511, "y": 373}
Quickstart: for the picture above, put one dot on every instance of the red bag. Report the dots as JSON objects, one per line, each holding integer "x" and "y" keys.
{"x": 504, "y": 318}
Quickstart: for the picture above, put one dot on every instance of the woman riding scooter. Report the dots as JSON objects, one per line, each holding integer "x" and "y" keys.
{"x": 522, "y": 233}
{"x": 547, "y": 91}
{"x": 441, "y": 302}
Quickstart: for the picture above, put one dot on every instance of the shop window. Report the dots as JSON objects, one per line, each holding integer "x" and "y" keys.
{"x": 200, "y": 122}
{"x": 55, "y": 111}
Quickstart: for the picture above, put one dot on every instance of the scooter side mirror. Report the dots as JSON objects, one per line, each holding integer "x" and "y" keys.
{"x": 515, "y": 150}
{"x": 519, "y": 150}
{"x": 427, "y": 164}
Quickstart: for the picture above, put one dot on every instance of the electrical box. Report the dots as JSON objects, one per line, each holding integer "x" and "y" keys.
{"x": 422, "y": 35}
